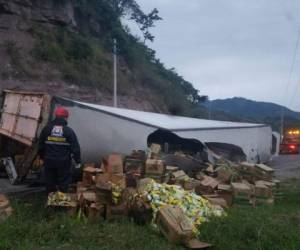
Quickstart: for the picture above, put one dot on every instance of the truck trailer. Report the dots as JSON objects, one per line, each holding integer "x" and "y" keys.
{"x": 102, "y": 130}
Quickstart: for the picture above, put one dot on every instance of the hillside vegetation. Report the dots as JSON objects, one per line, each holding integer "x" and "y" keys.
{"x": 65, "y": 47}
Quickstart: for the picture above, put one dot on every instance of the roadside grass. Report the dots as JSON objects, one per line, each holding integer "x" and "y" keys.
{"x": 33, "y": 227}
{"x": 267, "y": 227}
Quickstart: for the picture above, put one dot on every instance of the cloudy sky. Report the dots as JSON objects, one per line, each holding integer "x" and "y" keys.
{"x": 230, "y": 48}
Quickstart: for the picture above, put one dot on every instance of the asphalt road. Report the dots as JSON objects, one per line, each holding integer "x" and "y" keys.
{"x": 286, "y": 166}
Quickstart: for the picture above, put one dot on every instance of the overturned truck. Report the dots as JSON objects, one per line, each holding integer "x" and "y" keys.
{"x": 102, "y": 130}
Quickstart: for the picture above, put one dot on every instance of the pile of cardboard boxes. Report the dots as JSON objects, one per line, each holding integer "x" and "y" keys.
{"x": 239, "y": 184}
{"x": 111, "y": 190}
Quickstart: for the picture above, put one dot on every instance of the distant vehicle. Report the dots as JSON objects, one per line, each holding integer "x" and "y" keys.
{"x": 289, "y": 148}
{"x": 291, "y": 142}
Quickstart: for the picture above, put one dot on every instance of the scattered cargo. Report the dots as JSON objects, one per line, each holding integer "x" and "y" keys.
{"x": 169, "y": 198}
{"x": 175, "y": 183}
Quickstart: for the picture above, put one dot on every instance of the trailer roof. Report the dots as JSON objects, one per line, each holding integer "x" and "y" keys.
{"x": 170, "y": 122}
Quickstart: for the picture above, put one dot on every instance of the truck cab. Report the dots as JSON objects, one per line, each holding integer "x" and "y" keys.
{"x": 291, "y": 142}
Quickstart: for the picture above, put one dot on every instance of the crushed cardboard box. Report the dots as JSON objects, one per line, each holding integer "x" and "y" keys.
{"x": 113, "y": 164}
{"x": 177, "y": 228}
{"x": 155, "y": 151}
{"x": 155, "y": 167}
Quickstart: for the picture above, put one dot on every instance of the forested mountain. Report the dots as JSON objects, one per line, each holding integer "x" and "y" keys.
{"x": 254, "y": 111}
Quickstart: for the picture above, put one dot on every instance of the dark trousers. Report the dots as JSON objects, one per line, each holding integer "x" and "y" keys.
{"x": 58, "y": 178}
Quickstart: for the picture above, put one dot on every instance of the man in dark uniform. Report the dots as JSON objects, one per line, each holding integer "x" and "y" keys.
{"x": 58, "y": 144}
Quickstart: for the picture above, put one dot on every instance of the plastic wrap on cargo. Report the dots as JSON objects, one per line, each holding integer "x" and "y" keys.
{"x": 197, "y": 209}
{"x": 60, "y": 199}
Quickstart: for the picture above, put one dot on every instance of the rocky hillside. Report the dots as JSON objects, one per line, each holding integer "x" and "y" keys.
{"x": 64, "y": 47}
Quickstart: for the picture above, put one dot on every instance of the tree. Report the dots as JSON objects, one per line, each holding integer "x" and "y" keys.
{"x": 144, "y": 21}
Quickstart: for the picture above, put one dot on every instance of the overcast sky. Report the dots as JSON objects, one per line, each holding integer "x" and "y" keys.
{"x": 230, "y": 48}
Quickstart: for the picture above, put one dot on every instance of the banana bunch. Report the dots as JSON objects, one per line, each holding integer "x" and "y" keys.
{"x": 116, "y": 193}
{"x": 60, "y": 199}
{"x": 197, "y": 209}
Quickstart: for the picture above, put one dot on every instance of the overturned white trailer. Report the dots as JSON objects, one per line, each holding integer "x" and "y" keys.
{"x": 102, "y": 130}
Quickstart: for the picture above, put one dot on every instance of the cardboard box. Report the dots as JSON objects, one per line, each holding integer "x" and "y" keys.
{"x": 115, "y": 211}
{"x": 264, "y": 168}
{"x": 155, "y": 167}
{"x": 103, "y": 181}
{"x": 269, "y": 184}
{"x": 80, "y": 187}
{"x": 174, "y": 225}
{"x": 190, "y": 184}
{"x": 89, "y": 196}
{"x": 95, "y": 211}
{"x": 224, "y": 175}
{"x": 139, "y": 155}
{"x": 89, "y": 165}
{"x": 113, "y": 164}
{"x": 180, "y": 175}
{"x": 171, "y": 169}
{"x": 216, "y": 200}
{"x": 155, "y": 148}
{"x": 241, "y": 188}
{"x": 89, "y": 173}
{"x": 87, "y": 179}
{"x": 242, "y": 194}
{"x": 177, "y": 228}
{"x": 207, "y": 185}
{"x": 92, "y": 170}
{"x": 247, "y": 165}
{"x": 210, "y": 182}
{"x": 133, "y": 166}
{"x": 224, "y": 187}
{"x": 225, "y": 192}
{"x": 262, "y": 190}
{"x": 155, "y": 151}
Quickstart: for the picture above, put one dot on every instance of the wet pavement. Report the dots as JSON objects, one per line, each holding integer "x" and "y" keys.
{"x": 286, "y": 166}
{"x": 6, "y": 187}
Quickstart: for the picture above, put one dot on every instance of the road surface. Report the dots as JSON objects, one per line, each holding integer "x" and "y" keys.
{"x": 286, "y": 166}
